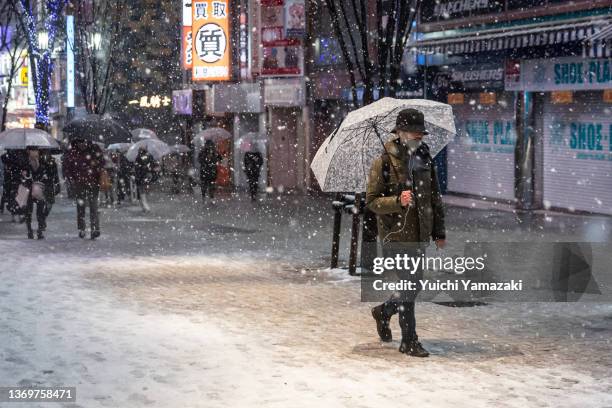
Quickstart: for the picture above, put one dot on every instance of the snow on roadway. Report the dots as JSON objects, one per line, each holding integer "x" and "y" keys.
{"x": 212, "y": 328}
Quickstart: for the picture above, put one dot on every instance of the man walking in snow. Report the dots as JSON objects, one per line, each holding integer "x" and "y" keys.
{"x": 404, "y": 193}
{"x": 82, "y": 166}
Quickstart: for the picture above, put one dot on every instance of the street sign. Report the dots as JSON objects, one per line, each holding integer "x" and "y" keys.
{"x": 211, "y": 41}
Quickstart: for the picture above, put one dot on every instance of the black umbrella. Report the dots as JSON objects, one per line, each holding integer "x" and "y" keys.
{"x": 98, "y": 128}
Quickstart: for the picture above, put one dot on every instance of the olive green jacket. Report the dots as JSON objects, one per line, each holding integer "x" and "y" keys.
{"x": 424, "y": 218}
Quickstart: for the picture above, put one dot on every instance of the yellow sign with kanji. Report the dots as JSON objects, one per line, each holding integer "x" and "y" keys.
{"x": 23, "y": 76}
{"x": 151, "y": 101}
{"x": 211, "y": 42}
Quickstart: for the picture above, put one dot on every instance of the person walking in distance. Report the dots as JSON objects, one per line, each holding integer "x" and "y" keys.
{"x": 35, "y": 177}
{"x": 82, "y": 165}
{"x": 208, "y": 159}
{"x": 124, "y": 170}
{"x": 253, "y": 161}
{"x": 52, "y": 182}
{"x": 404, "y": 193}
{"x": 145, "y": 169}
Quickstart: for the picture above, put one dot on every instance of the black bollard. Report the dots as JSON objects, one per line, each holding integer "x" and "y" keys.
{"x": 369, "y": 232}
{"x": 337, "y": 206}
{"x": 355, "y": 235}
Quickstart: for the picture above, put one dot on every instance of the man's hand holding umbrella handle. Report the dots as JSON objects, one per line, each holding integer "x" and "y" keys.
{"x": 440, "y": 243}
{"x": 406, "y": 198}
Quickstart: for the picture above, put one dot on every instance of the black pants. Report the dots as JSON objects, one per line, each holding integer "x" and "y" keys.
{"x": 177, "y": 181}
{"x": 41, "y": 214}
{"x": 123, "y": 187}
{"x": 407, "y": 319}
{"x": 87, "y": 197}
{"x": 210, "y": 186}
{"x": 404, "y": 304}
{"x": 5, "y": 197}
{"x": 49, "y": 206}
{"x": 253, "y": 185}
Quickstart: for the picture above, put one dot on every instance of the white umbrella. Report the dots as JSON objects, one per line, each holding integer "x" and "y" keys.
{"x": 141, "y": 134}
{"x": 343, "y": 161}
{"x": 119, "y": 147}
{"x": 18, "y": 139}
{"x": 214, "y": 134}
{"x": 179, "y": 148}
{"x": 156, "y": 148}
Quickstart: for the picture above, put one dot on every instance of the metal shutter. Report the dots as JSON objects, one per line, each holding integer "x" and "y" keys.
{"x": 579, "y": 179}
{"x": 481, "y": 158}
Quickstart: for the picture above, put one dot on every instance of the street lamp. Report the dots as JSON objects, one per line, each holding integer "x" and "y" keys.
{"x": 95, "y": 41}
{"x": 43, "y": 40}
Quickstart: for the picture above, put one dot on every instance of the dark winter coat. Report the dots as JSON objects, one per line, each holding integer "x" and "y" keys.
{"x": 52, "y": 182}
{"x": 124, "y": 168}
{"x": 13, "y": 163}
{"x": 46, "y": 174}
{"x": 144, "y": 169}
{"x": 419, "y": 222}
{"x": 208, "y": 166}
{"x": 252, "y": 164}
{"x": 82, "y": 167}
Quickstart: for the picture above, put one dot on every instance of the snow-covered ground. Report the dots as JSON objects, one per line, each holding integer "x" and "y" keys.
{"x": 232, "y": 306}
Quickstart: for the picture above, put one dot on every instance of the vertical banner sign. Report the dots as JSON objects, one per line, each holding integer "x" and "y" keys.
{"x": 211, "y": 41}
{"x": 70, "y": 61}
{"x": 186, "y": 39}
{"x": 187, "y": 53}
{"x": 244, "y": 46}
{"x": 282, "y": 52}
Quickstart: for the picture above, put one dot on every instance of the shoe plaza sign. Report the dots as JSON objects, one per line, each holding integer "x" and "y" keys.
{"x": 211, "y": 42}
{"x": 560, "y": 74}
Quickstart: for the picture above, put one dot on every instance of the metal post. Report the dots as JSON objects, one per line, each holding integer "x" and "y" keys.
{"x": 369, "y": 232}
{"x": 336, "y": 233}
{"x": 524, "y": 151}
{"x": 354, "y": 236}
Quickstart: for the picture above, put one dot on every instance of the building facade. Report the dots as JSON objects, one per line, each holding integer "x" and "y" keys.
{"x": 530, "y": 87}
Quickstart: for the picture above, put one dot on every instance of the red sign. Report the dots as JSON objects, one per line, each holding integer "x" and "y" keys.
{"x": 187, "y": 44}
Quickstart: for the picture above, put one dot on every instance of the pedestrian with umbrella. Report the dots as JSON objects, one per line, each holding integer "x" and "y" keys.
{"x": 123, "y": 169}
{"x": 145, "y": 155}
{"x": 253, "y": 160}
{"x": 144, "y": 168}
{"x": 404, "y": 193}
{"x": 208, "y": 159}
{"x": 380, "y": 149}
{"x": 52, "y": 182}
{"x": 16, "y": 142}
{"x": 83, "y": 164}
{"x": 124, "y": 173}
{"x": 39, "y": 179}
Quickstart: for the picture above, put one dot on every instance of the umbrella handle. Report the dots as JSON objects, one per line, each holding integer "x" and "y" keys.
{"x": 386, "y": 151}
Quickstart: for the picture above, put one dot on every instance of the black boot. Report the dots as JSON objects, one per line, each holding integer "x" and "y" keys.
{"x": 30, "y": 234}
{"x": 95, "y": 234}
{"x": 413, "y": 348}
{"x": 81, "y": 234}
{"x": 39, "y": 235}
{"x": 382, "y": 323}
